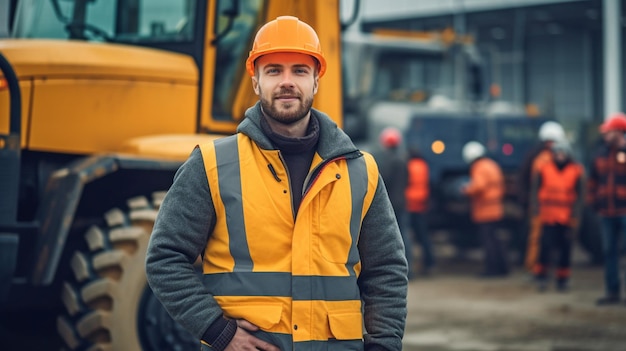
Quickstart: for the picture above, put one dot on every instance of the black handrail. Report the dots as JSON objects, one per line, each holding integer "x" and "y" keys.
{"x": 15, "y": 97}
{"x": 10, "y": 151}
{"x": 353, "y": 16}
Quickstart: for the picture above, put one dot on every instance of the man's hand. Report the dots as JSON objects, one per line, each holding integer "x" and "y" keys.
{"x": 244, "y": 341}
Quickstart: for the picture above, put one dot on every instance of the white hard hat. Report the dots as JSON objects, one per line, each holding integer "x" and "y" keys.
{"x": 473, "y": 150}
{"x": 551, "y": 130}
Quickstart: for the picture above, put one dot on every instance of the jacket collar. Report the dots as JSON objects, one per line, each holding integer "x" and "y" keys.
{"x": 333, "y": 141}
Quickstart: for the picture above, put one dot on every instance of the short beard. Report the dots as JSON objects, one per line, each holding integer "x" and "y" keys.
{"x": 286, "y": 117}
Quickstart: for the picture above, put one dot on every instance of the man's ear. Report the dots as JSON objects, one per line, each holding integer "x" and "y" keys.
{"x": 255, "y": 85}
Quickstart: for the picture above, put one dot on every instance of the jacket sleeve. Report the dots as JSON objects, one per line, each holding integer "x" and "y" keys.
{"x": 478, "y": 181}
{"x": 383, "y": 280}
{"x": 185, "y": 219}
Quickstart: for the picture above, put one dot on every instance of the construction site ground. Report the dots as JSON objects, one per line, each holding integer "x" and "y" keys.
{"x": 455, "y": 310}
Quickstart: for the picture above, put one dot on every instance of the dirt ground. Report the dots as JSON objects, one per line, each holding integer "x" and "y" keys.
{"x": 456, "y": 310}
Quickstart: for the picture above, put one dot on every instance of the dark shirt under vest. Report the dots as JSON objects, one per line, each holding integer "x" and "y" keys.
{"x": 297, "y": 154}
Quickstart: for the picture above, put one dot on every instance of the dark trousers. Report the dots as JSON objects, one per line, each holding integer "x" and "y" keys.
{"x": 422, "y": 237}
{"x": 613, "y": 240}
{"x": 496, "y": 262}
{"x": 558, "y": 238}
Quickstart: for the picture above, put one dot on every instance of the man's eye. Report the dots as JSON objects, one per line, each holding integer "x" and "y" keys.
{"x": 272, "y": 70}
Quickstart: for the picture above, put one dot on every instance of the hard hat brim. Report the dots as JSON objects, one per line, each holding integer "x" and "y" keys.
{"x": 254, "y": 56}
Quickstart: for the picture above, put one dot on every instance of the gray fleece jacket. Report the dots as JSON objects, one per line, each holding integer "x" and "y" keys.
{"x": 186, "y": 219}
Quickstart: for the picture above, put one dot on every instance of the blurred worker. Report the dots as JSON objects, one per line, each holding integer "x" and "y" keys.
{"x": 392, "y": 166}
{"x": 557, "y": 199}
{"x": 549, "y": 132}
{"x": 486, "y": 191}
{"x": 607, "y": 192}
{"x": 417, "y": 194}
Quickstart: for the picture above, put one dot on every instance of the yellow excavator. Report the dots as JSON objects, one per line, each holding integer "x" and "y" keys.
{"x": 100, "y": 103}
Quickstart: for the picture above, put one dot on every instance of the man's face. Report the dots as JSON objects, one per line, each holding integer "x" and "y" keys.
{"x": 560, "y": 156}
{"x": 285, "y": 84}
{"x": 612, "y": 137}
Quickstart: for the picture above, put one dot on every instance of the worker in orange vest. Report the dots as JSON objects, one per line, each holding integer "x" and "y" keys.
{"x": 417, "y": 193}
{"x": 557, "y": 199}
{"x": 549, "y": 132}
{"x": 486, "y": 191}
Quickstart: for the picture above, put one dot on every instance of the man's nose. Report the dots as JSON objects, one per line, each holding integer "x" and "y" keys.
{"x": 287, "y": 80}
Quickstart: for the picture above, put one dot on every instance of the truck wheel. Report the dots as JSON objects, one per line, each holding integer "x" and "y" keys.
{"x": 109, "y": 303}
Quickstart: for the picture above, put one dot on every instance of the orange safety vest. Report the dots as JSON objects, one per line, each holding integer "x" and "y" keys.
{"x": 417, "y": 191}
{"x": 486, "y": 190}
{"x": 543, "y": 157}
{"x": 557, "y": 193}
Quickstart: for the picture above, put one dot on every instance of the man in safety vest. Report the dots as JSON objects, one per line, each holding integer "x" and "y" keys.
{"x": 299, "y": 243}
{"x": 557, "y": 199}
{"x": 549, "y": 133}
{"x": 486, "y": 192}
{"x": 607, "y": 190}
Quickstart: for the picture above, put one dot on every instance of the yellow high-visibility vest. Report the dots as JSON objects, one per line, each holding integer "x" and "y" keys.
{"x": 295, "y": 278}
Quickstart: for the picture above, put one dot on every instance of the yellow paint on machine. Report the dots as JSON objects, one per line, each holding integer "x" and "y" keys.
{"x": 103, "y": 86}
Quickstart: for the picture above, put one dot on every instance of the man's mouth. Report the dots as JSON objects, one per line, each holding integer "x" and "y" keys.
{"x": 286, "y": 98}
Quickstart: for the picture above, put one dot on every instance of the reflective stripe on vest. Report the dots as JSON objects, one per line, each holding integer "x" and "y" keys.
{"x": 226, "y": 152}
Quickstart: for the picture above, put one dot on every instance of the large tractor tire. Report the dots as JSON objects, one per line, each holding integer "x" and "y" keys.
{"x": 109, "y": 303}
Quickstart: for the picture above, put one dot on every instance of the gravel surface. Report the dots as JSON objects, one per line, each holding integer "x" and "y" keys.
{"x": 455, "y": 310}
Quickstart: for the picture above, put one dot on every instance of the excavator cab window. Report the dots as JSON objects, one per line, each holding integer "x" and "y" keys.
{"x": 106, "y": 20}
{"x": 162, "y": 20}
{"x": 235, "y": 33}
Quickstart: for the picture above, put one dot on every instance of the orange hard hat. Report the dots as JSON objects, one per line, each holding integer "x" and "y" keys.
{"x": 616, "y": 121}
{"x": 286, "y": 34}
{"x": 390, "y": 137}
